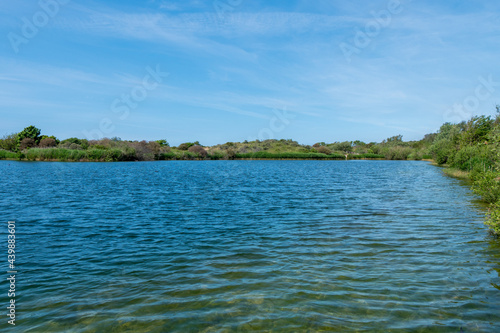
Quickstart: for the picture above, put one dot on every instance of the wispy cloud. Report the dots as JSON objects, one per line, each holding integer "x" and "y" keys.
{"x": 260, "y": 56}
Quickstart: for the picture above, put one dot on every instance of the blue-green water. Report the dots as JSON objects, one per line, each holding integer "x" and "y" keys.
{"x": 237, "y": 246}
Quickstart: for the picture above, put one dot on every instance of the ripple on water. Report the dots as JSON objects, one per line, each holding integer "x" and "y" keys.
{"x": 227, "y": 246}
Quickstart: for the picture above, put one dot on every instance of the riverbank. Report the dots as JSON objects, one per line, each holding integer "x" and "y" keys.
{"x": 456, "y": 173}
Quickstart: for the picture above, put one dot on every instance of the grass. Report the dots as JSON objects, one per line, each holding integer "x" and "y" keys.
{"x": 456, "y": 173}
{"x": 74, "y": 155}
{"x": 5, "y": 154}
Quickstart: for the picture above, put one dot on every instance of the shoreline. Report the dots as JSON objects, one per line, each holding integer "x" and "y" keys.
{"x": 204, "y": 160}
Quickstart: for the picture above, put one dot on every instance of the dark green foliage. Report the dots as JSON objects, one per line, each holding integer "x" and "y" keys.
{"x": 29, "y": 132}
{"x": 163, "y": 143}
{"x": 476, "y": 130}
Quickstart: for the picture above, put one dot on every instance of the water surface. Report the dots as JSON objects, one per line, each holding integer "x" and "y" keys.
{"x": 236, "y": 246}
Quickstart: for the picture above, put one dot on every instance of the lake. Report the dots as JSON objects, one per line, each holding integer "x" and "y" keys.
{"x": 238, "y": 246}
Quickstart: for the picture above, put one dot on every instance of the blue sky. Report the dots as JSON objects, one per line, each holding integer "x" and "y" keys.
{"x": 324, "y": 70}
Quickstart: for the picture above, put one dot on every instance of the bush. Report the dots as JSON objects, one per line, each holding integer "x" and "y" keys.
{"x": 168, "y": 156}
{"x": 47, "y": 143}
{"x": 416, "y": 156}
{"x": 487, "y": 185}
{"x": 7, "y": 154}
{"x": 198, "y": 150}
{"x": 185, "y": 146}
{"x": 96, "y": 154}
{"x": 9, "y": 142}
{"x": 113, "y": 155}
{"x": 493, "y": 219}
{"x": 397, "y": 152}
{"x": 27, "y": 143}
{"x": 323, "y": 150}
{"x": 83, "y": 143}
{"x": 442, "y": 150}
{"x": 472, "y": 158}
{"x": 69, "y": 145}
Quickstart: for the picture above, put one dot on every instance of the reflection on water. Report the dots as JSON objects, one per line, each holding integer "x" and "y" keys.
{"x": 224, "y": 246}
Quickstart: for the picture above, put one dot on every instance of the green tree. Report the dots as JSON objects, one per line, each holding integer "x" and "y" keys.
{"x": 476, "y": 130}
{"x": 29, "y": 132}
{"x": 163, "y": 143}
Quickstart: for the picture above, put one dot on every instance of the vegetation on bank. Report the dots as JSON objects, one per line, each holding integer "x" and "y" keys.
{"x": 470, "y": 150}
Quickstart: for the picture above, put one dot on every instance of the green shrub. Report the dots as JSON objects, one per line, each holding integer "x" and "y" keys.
{"x": 7, "y": 154}
{"x": 168, "y": 156}
{"x": 113, "y": 155}
{"x": 493, "y": 219}
{"x": 9, "y": 142}
{"x": 96, "y": 154}
{"x": 47, "y": 142}
{"x": 77, "y": 155}
{"x": 471, "y": 158}
{"x": 323, "y": 150}
{"x": 185, "y": 146}
{"x": 198, "y": 150}
{"x": 487, "y": 185}
{"x": 416, "y": 156}
{"x": 442, "y": 150}
{"x": 216, "y": 156}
